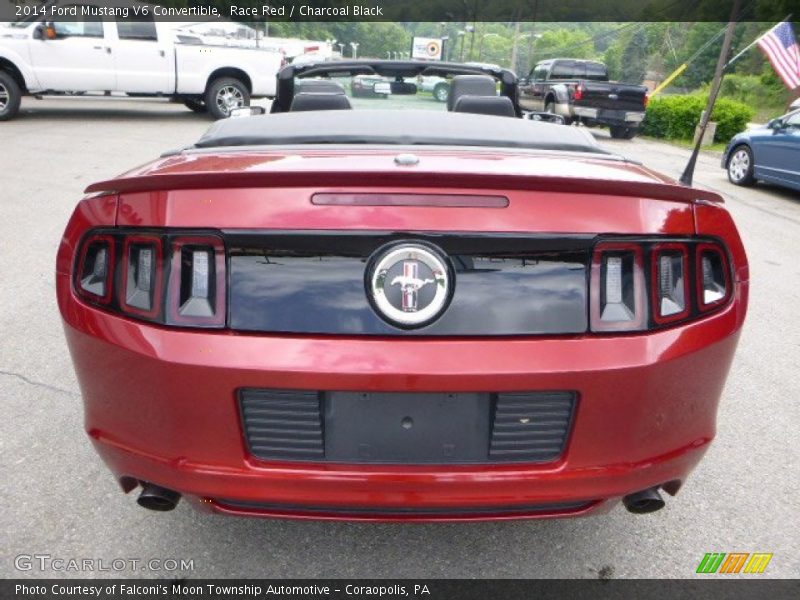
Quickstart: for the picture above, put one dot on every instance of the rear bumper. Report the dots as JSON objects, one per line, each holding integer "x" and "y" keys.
{"x": 611, "y": 117}
{"x": 160, "y": 406}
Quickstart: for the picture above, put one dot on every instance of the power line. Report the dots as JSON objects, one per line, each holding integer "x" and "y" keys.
{"x": 591, "y": 40}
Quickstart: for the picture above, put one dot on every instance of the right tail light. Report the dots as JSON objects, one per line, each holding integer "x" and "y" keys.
{"x": 682, "y": 279}
{"x": 618, "y": 288}
{"x": 713, "y": 277}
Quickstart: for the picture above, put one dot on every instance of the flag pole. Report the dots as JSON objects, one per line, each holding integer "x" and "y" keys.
{"x": 688, "y": 172}
{"x": 754, "y": 42}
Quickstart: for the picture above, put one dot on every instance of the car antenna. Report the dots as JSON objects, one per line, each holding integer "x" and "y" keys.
{"x": 705, "y": 117}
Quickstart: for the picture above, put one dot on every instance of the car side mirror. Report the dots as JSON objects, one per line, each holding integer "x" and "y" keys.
{"x": 775, "y": 124}
{"x": 38, "y": 32}
{"x": 545, "y": 117}
{"x": 247, "y": 111}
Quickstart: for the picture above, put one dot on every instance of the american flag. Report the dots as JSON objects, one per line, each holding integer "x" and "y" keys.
{"x": 783, "y": 51}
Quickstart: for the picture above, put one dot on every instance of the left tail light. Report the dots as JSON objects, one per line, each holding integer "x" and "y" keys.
{"x": 197, "y": 282}
{"x": 95, "y": 270}
{"x": 161, "y": 277}
{"x": 142, "y": 275}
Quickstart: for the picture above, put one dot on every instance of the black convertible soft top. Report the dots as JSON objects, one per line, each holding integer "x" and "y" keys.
{"x": 402, "y": 127}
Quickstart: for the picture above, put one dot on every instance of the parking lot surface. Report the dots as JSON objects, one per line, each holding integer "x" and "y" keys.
{"x": 58, "y": 498}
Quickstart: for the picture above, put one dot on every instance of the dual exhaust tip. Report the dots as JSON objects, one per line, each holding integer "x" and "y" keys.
{"x": 160, "y": 499}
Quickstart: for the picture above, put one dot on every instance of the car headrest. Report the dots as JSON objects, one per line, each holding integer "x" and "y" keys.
{"x": 470, "y": 85}
{"x": 324, "y": 86}
{"x": 319, "y": 101}
{"x": 499, "y": 106}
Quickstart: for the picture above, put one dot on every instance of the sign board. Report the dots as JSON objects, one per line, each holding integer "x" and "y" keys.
{"x": 427, "y": 48}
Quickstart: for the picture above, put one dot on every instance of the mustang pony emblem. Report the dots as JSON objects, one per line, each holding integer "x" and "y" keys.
{"x": 410, "y": 284}
{"x": 398, "y": 283}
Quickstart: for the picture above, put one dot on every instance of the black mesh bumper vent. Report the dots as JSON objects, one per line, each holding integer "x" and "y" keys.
{"x": 297, "y": 425}
{"x": 531, "y": 427}
{"x": 283, "y": 424}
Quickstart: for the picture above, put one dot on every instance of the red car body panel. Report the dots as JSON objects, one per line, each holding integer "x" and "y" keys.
{"x": 160, "y": 402}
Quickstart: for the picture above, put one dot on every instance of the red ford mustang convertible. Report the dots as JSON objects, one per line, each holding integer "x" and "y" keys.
{"x": 337, "y": 312}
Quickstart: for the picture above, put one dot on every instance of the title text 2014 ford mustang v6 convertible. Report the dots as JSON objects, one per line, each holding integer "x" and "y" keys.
{"x": 411, "y": 315}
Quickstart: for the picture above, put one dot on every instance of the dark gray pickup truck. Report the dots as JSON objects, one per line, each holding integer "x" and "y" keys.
{"x": 579, "y": 91}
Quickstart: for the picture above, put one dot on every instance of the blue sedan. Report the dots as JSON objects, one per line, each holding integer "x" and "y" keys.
{"x": 770, "y": 153}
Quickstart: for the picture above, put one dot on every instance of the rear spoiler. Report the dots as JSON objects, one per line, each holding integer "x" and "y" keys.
{"x": 222, "y": 180}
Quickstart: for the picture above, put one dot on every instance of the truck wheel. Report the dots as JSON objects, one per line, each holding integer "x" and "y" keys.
{"x": 10, "y": 97}
{"x": 195, "y": 105}
{"x": 225, "y": 94}
{"x": 441, "y": 91}
{"x": 620, "y": 132}
{"x": 740, "y": 166}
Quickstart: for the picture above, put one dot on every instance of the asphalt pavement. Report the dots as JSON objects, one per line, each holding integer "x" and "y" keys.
{"x": 58, "y": 499}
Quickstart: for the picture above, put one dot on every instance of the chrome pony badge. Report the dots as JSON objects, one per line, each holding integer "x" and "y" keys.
{"x": 409, "y": 284}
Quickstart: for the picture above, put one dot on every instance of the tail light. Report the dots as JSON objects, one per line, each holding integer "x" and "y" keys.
{"x": 93, "y": 277}
{"x": 161, "y": 277}
{"x": 142, "y": 275}
{"x": 618, "y": 288}
{"x": 686, "y": 279}
{"x": 713, "y": 277}
{"x": 670, "y": 285}
{"x": 197, "y": 283}
{"x": 646, "y": 100}
{"x": 579, "y": 90}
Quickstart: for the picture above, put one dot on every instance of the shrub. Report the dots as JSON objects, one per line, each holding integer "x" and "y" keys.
{"x": 675, "y": 117}
{"x": 754, "y": 90}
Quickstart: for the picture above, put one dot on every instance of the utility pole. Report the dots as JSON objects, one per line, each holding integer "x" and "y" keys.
{"x": 532, "y": 39}
{"x": 471, "y": 30}
{"x": 514, "y": 46}
{"x": 688, "y": 172}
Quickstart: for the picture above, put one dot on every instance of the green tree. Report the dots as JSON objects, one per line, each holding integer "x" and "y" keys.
{"x": 565, "y": 43}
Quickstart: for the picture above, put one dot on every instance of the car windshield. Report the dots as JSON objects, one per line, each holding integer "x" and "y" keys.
{"x": 388, "y": 85}
{"x": 375, "y": 92}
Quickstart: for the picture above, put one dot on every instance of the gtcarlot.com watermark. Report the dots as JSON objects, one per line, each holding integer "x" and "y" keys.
{"x": 61, "y": 564}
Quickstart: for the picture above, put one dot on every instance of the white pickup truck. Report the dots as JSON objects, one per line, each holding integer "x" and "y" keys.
{"x": 139, "y": 57}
